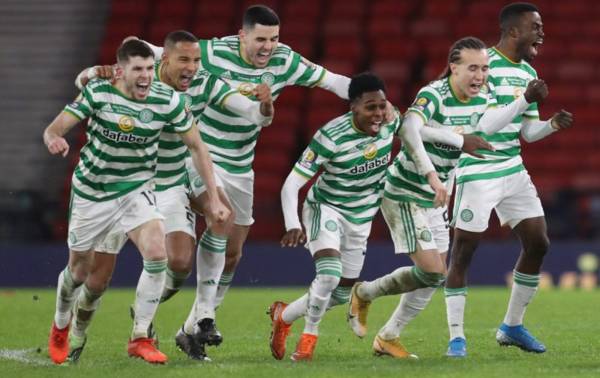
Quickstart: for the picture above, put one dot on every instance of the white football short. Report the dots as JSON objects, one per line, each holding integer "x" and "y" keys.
{"x": 102, "y": 225}
{"x": 239, "y": 188}
{"x": 416, "y": 228}
{"x": 328, "y": 229}
{"x": 513, "y": 197}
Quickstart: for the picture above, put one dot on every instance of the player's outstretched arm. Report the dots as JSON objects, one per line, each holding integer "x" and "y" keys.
{"x": 410, "y": 135}
{"x": 335, "y": 83}
{"x": 534, "y": 129}
{"x": 54, "y": 133}
{"x": 467, "y": 143}
{"x": 289, "y": 203}
{"x": 216, "y": 210}
{"x": 259, "y": 112}
{"x": 495, "y": 119}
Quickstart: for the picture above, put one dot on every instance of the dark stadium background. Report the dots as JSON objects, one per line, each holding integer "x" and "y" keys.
{"x": 44, "y": 44}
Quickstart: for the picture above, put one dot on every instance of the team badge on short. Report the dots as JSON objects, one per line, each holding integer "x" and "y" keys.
{"x": 425, "y": 235}
{"x": 126, "y": 124}
{"x": 72, "y": 237}
{"x": 370, "y": 151}
{"x": 331, "y": 225}
{"x": 197, "y": 182}
{"x": 308, "y": 158}
{"x": 466, "y": 215}
{"x": 267, "y": 78}
{"x": 146, "y": 115}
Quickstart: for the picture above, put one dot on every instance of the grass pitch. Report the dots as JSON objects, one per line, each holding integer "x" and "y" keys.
{"x": 567, "y": 322}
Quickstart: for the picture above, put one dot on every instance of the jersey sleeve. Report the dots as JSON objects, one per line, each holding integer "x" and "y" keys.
{"x": 180, "y": 118}
{"x": 304, "y": 72}
{"x": 219, "y": 90}
{"x": 319, "y": 151}
{"x": 425, "y": 104}
{"x": 83, "y": 106}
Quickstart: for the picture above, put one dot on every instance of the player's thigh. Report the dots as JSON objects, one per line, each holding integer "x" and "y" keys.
{"x": 353, "y": 247}
{"x": 90, "y": 222}
{"x": 174, "y": 205}
{"x": 521, "y": 202}
{"x": 322, "y": 225}
{"x": 473, "y": 203}
{"x": 409, "y": 226}
{"x": 143, "y": 223}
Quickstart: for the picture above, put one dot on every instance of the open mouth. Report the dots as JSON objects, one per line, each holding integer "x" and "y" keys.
{"x": 475, "y": 88}
{"x": 535, "y": 46}
{"x": 185, "y": 81}
{"x": 263, "y": 56}
{"x": 142, "y": 89}
{"x": 374, "y": 127}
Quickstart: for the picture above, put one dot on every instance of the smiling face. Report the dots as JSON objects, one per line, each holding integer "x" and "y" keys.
{"x": 258, "y": 44}
{"x": 529, "y": 35}
{"x": 368, "y": 111}
{"x": 179, "y": 64}
{"x": 470, "y": 73}
{"x": 135, "y": 77}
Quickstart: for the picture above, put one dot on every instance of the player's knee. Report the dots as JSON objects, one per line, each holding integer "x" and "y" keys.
{"x": 180, "y": 264}
{"x": 433, "y": 277}
{"x": 97, "y": 283}
{"x": 538, "y": 246}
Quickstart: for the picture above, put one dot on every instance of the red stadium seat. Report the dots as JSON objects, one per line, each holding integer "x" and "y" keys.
{"x": 400, "y": 10}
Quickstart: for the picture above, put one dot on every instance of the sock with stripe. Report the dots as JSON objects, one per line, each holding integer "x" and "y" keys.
{"x": 401, "y": 280}
{"x": 297, "y": 309}
{"x": 411, "y": 304}
{"x": 524, "y": 288}
{"x": 224, "y": 284}
{"x": 147, "y": 296}
{"x": 173, "y": 283}
{"x": 329, "y": 271}
{"x": 455, "y": 311}
{"x": 66, "y": 292}
{"x": 86, "y": 306}
{"x": 209, "y": 264}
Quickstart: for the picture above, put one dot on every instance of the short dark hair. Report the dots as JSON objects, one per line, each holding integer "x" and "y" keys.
{"x": 362, "y": 83}
{"x": 512, "y": 12}
{"x": 471, "y": 43}
{"x": 179, "y": 36}
{"x": 131, "y": 48}
{"x": 260, "y": 14}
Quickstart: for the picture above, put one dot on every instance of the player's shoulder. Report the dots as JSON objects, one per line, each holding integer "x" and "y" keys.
{"x": 527, "y": 67}
{"x": 97, "y": 84}
{"x": 439, "y": 87}
{"x": 228, "y": 43}
{"x": 283, "y": 51}
{"x": 163, "y": 91}
{"x": 337, "y": 127}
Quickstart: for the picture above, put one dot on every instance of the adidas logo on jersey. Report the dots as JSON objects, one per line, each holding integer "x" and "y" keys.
{"x": 367, "y": 166}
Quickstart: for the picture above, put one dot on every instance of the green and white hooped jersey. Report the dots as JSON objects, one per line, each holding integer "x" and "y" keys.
{"x": 354, "y": 166}
{"x": 510, "y": 80}
{"x": 122, "y": 137}
{"x": 230, "y": 138}
{"x": 440, "y": 108}
{"x": 204, "y": 89}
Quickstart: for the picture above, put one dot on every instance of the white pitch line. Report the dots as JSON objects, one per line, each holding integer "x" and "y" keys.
{"x": 23, "y": 355}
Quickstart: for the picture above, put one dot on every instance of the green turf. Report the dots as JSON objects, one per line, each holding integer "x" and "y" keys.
{"x": 567, "y": 322}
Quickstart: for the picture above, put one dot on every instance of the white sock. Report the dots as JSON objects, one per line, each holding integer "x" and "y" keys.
{"x": 147, "y": 296}
{"x": 455, "y": 311}
{"x": 524, "y": 288}
{"x": 411, "y": 304}
{"x": 224, "y": 284}
{"x": 210, "y": 260}
{"x": 66, "y": 292}
{"x": 86, "y": 306}
{"x": 401, "y": 280}
{"x": 329, "y": 270}
{"x": 297, "y": 309}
